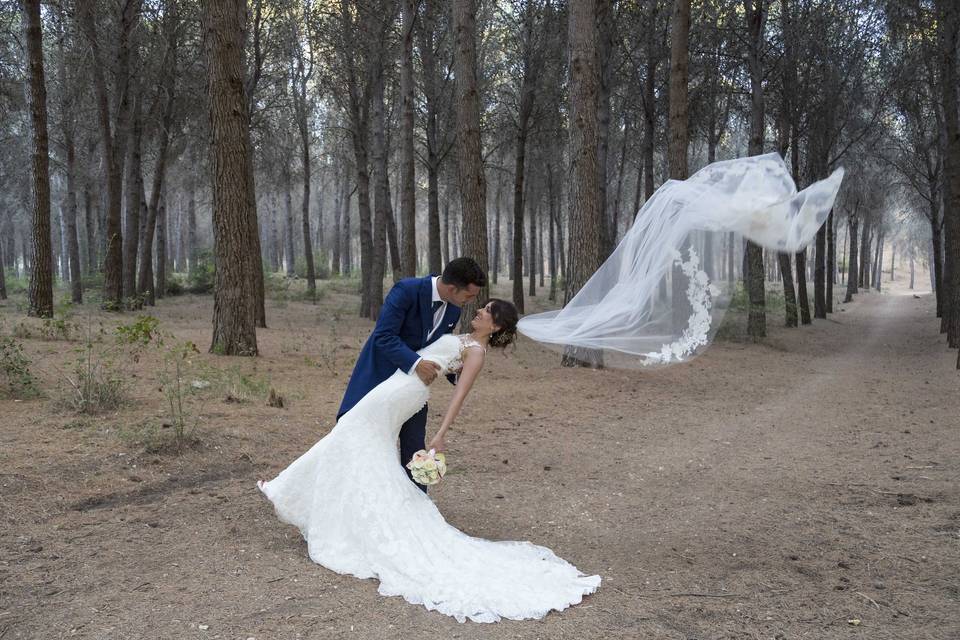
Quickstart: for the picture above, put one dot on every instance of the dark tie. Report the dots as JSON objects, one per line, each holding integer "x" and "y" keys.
{"x": 437, "y": 305}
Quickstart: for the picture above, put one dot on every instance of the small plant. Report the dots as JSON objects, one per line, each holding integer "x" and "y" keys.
{"x": 95, "y": 385}
{"x": 61, "y": 325}
{"x": 202, "y": 273}
{"x": 18, "y": 381}
{"x": 141, "y": 332}
{"x": 22, "y": 331}
{"x": 177, "y": 362}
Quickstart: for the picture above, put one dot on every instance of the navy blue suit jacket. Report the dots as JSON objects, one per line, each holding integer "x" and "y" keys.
{"x": 402, "y": 327}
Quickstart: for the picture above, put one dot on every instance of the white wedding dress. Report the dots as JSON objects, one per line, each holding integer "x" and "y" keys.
{"x": 361, "y": 515}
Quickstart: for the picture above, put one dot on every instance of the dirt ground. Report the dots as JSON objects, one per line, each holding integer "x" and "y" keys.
{"x": 762, "y": 491}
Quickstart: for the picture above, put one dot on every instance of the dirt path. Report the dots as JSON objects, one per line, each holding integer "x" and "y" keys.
{"x": 761, "y": 491}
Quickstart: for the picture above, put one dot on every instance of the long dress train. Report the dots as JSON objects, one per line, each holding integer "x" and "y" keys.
{"x": 361, "y": 515}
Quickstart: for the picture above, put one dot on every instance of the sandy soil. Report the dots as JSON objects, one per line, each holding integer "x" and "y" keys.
{"x": 775, "y": 490}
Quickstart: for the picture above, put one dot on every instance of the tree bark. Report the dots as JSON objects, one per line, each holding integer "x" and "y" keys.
{"x": 234, "y": 198}
{"x": 936, "y": 229}
{"x": 756, "y": 16}
{"x": 472, "y": 181}
{"x": 41, "y": 272}
{"x": 831, "y": 260}
{"x": 145, "y": 285}
{"x": 114, "y": 139}
{"x": 679, "y": 140}
{"x": 408, "y": 210}
{"x": 70, "y": 164}
{"x": 162, "y": 258}
{"x": 949, "y": 36}
{"x": 431, "y": 97}
{"x": 532, "y": 269}
{"x": 381, "y": 196}
{"x": 134, "y": 185}
{"x": 305, "y": 163}
{"x": 606, "y": 34}
{"x": 852, "y": 266}
{"x": 586, "y": 217}
{"x": 3, "y": 275}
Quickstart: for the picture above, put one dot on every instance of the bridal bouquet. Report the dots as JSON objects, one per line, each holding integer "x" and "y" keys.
{"x": 427, "y": 467}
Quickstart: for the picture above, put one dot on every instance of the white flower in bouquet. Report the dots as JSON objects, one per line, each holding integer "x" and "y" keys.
{"x": 427, "y": 467}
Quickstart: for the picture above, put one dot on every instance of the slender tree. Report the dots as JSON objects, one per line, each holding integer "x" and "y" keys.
{"x": 755, "y": 13}
{"x": 41, "y": 272}
{"x": 408, "y": 205}
{"x": 679, "y": 136}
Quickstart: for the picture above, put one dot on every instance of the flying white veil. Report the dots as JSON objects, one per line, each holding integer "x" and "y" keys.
{"x": 686, "y": 227}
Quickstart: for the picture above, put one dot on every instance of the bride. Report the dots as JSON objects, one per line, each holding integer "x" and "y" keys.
{"x": 361, "y": 515}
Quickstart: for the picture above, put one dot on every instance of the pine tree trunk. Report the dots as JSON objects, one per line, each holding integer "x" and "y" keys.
{"x": 234, "y": 199}
{"x": 162, "y": 258}
{"x": 346, "y": 246}
{"x": 408, "y": 211}
{"x": 392, "y": 235}
{"x": 446, "y": 231}
{"x": 471, "y": 178}
{"x": 819, "y": 274}
{"x": 145, "y": 284}
{"x": 114, "y": 139}
{"x": 518, "y": 206}
{"x": 551, "y": 224}
{"x": 863, "y": 276}
{"x": 936, "y": 269}
{"x": 41, "y": 272}
{"x": 497, "y": 209}
{"x": 789, "y": 294}
{"x": 381, "y": 196}
{"x": 949, "y": 34}
{"x": 70, "y": 164}
{"x": 305, "y": 163}
{"x": 756, "y": 16}
{"x": 90, "y": 226}
{"x": 878, "y": 278}
{"x": 532, "y": 245}
{"x": 337, "y": 223}
{"x": 431, "y": 98}
{"x": 606, "y": 32}
{"x": 831, "y": 260}
{"x": 134, "y": 184}
{"x": 3, "y": 275}
{"x": 802, "y": 296}
{"x": 852, "y": 266}
{"x": 586, "y": 217}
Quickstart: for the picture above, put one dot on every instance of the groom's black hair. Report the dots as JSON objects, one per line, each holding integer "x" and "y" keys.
{"x": 462, "y": 272}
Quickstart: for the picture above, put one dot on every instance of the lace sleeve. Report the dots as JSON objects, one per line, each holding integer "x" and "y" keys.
{"x": 466, "y": 342}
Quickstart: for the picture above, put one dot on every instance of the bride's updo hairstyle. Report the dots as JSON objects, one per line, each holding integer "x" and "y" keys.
{"x": 505, "y": 316}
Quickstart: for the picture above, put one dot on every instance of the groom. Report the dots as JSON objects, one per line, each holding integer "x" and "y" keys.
{"x": 416, "y": 312}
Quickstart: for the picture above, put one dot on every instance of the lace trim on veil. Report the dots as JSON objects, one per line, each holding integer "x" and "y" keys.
{"x": 700, "y": 293}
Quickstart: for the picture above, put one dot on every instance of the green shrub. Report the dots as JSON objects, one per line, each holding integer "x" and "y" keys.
{"x": 202, "y": 273}
{"x": 15, "y": 284}
{"x": 92, "y": 281}
{"x": 142, "y": 331}
{"x": 95, "y": 385}
{"x": 16, "y": 379}
{"x": 321, "y": 266}
{"x": 175, "y": 286}
{"x": 61, "y": 325}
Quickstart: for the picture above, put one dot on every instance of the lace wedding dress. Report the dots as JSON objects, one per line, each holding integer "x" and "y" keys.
{"x": 361, "y": 515}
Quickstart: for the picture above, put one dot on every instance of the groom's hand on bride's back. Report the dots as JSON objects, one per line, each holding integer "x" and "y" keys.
{"x": 427, "y": 371}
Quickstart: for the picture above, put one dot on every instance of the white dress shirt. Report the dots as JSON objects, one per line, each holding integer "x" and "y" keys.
{"x": 437, "y": 317}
